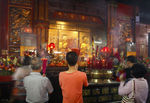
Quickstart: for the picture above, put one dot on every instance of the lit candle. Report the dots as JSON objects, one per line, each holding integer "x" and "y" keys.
{"x": 44, "y": 60}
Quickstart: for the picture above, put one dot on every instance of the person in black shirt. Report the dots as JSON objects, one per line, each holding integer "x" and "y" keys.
{"x": 131, "y": 60}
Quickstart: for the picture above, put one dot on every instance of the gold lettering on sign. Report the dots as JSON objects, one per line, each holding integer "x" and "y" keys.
{"x": 23, "y": 2}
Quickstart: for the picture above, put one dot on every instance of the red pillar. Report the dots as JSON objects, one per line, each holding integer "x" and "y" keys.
{"x": 4, "y": 27}
{"x": 40, "y": 21}
{"x": 111, "y": 17}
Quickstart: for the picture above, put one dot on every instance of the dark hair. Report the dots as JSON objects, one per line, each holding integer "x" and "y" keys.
{"x": 26, "y": 60}
{"x": 132, "y": 59}
{"x": 72, "y": 58}
{"x": 138, "y": 70}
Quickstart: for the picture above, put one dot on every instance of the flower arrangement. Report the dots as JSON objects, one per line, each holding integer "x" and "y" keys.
{"x": 145, "y": 61}
{"x": 8, "y": 65}
{"x": 120, "y": 73}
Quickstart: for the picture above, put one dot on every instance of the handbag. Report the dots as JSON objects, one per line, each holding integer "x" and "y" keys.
{"x": 126, "y": 99}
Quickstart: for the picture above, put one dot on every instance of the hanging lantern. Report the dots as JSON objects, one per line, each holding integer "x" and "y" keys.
{"x": 51, "y": 45}
{"x": 105, "y": 50}
{"x": 128, "y": 39}
{"x": 27, "y": 30}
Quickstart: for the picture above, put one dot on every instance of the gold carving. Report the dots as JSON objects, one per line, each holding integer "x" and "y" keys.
{"x": 90, "y": 100}
{"x": 18, "y": 19}
{"x": 114, "y": 90}
{"x": 105, "y": 90}
{"x": 86, "y": 92}
{"x": 104, "y": 98}
{"x": 96, "y": 92}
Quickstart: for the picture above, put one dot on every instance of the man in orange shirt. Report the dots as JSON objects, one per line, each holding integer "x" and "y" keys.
{"x": 72, "y": 81}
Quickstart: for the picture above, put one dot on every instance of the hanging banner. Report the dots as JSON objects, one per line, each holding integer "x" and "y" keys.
{"x": 131, "y": 53}
{"x": 28, "y": 39}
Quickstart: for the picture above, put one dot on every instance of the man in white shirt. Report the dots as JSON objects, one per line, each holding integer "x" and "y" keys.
{"x": 37, "y": 87}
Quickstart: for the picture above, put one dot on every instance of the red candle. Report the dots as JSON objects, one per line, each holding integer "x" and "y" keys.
{"x": 44, "y": 60}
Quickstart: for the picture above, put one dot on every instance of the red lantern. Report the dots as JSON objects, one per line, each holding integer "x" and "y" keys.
{"x": 128, "y": 39}
{"x": 27, "y": 30}
{"x": 51, "y": 45}
{"x": 103, "y": 60}
{"x": 105, "y": 49}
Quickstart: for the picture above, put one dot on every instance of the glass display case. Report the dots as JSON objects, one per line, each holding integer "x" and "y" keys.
{"x": 67, "y": 36}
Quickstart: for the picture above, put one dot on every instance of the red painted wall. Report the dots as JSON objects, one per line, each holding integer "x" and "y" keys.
{"x": 125, "y": 9}
{"x": 3, "y": 25}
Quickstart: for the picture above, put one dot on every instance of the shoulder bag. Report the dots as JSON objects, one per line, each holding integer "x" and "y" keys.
{"x": 126, "y": 99}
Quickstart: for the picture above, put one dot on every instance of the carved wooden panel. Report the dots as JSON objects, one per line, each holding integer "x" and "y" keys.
{"x": 18, "y": 19}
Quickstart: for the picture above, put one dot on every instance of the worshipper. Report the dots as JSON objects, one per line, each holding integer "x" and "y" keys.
{"x": 18, "y": 92}
{"x": 131, "y": 60}
{"x": 136, "y": 89}
{"x": 37, "y": 86}
{"x": 126, "y": 75}
{"x": 72, "y": 80}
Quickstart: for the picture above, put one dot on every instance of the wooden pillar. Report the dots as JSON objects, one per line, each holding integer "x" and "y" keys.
{"x": 40, "y": 21}
{"x": 111, "y": 15}
{"x": 3, "y": 27}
